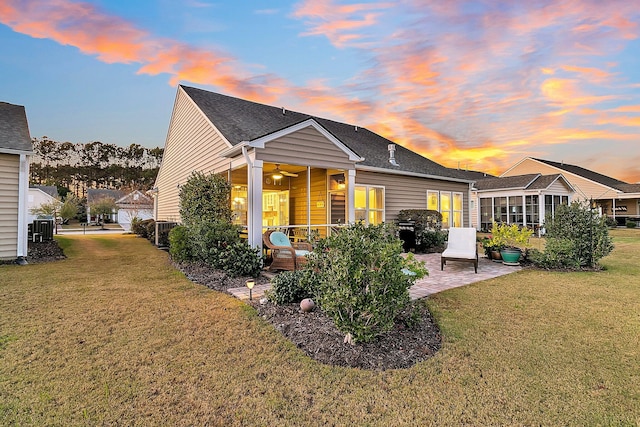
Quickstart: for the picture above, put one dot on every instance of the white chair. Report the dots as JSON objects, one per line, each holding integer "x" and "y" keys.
{"x": 462, "y": 246}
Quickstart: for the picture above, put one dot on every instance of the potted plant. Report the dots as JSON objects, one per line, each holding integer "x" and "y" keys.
{"x": 492, "y": 248}
{"x": 512, "y": 238}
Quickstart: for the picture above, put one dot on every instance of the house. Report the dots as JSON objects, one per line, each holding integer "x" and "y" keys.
{"x": 296, "y": 171}
{"x": 15, "y": 151}
{"x": 96, "y": 194}
{"x": 134, "y": 205}
{"x": 38, "y": 196}
{"x": 617, "y": 199}
{"x": 520, "y": 199}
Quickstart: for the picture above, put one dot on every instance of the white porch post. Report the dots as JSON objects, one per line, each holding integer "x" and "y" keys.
{"x": 309, "y": 200}
{"x": 524, "y": 210}
{"x": 541, "y": 213}
{"x": 613, "y": 208}
{"x": 23, "y": 190}
{"x": 351, "y": 197}
{"x": 254, "y": 206}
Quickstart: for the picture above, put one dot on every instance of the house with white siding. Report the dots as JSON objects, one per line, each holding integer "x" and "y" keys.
{"x": 15, "y": 151}
{"x": 615, "y": 198}
{"x": 40, "y": 195}
{"x": 297, "y": 171}
{"x": 520, "y": 199}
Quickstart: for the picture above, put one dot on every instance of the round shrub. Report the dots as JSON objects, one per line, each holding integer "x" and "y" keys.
{"x": 360, "y": 279}
{"x": 288, "y": 287}
{"x": 631, "y": 224}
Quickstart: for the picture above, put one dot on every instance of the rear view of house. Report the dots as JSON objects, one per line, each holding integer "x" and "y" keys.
{"x": 15, "y": 150}
{"x": 299, "y": 172}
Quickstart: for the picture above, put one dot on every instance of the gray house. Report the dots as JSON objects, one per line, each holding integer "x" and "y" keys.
{"x": 15, "y": 150}
{"x": 296, "y": 171}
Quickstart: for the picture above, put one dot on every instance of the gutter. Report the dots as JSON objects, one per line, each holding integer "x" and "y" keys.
{"x": 415, "y": 174}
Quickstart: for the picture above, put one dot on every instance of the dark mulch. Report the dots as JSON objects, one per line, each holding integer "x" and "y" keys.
{"x": 45, "y": 251}
{"x": 316, "y": 334}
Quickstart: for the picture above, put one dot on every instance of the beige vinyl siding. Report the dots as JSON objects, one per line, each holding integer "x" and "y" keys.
{"x": 9, "y": 179}
{"x": 192, "y": 144}
{"x": 407, "y": 192}
{"x": 306, "y": 147}
{"x": 585, "y": 189}
{"x": 559, "y": 188}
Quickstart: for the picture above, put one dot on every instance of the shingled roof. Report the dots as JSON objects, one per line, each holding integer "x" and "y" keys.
{"x": 14, "y": 129}
{"x": 532, "y": 181}
{"x": 240, "y": 120}
{"x": 586, "y": 173}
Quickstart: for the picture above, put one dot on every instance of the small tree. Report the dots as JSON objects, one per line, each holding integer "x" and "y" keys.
{"x": 69, "y": 208}
{"x": 103, "y": 207}
{"x": 576, "y": 237}
{"x": 47, "y": 209}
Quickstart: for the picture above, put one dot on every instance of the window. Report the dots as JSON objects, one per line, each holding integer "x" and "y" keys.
{"x": 457, "y": 209}
{"x": 500, "y": 209}
{"x": 449, "y": 204}
{"x": 486, "y": 219}
{"x": 369, "y": 204}
{"x": 532, "y": 212}
{"x": 515, "y": 210}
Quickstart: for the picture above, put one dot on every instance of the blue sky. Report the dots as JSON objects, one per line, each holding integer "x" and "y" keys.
{"x": 481, "y": 84}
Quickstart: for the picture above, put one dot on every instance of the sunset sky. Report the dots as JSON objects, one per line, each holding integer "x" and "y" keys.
{"x": 479, "y": 84}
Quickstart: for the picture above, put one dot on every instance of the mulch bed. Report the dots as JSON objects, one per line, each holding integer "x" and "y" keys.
{"x": 45, "y": 251}
{"x": 316, "y": 334}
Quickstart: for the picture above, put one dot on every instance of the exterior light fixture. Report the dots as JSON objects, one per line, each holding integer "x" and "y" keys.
{"x": 250, "y": 284}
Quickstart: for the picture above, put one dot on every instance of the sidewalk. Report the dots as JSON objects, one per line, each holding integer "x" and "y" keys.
{"x": 455, "y": 274}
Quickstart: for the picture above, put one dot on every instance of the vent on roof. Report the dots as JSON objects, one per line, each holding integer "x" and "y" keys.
{"x": 356, "y": 128}
{"x": 283, "y": 111}
{"x": 392, "y": 154}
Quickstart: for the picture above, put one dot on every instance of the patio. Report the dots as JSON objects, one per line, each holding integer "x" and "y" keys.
{"x": 455, "y": 274}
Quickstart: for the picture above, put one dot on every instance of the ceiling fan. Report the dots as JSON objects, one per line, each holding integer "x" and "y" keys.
{"x": 278, "y": 174}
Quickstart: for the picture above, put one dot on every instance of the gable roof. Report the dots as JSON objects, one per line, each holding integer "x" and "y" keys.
{"x": 95, "y": 194}
{"x": 532, "y": 181}
{"x": 51, "y": 190}
{"x": 135, "y": 198}
{"x": 240, "y": 120}
{"x": 14, "y": 129}
{"x": 585, "y": 173}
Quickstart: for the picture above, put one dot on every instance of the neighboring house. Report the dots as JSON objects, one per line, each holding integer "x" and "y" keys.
{"x": 96, "y": 194}
{"x": 292, "y": 170}
{"x": 134, "y": 205}
{"x": 38, "y": 196}
{"x": 521, "y": 199}
{"x": 15, "y": 150}
{"x": 616, "y": 199}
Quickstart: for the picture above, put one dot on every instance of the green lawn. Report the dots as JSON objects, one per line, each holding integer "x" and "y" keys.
{"x": 113, "y": 335}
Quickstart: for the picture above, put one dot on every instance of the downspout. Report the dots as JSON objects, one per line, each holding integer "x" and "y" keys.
{"x": 22, "y": 247}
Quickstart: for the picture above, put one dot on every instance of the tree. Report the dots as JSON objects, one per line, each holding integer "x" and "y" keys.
{"x": 205, "y": 198}
{"x": 69, "y": 208}
{"x": 103, "y": 207}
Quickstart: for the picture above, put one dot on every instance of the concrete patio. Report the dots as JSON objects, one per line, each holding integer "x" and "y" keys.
{"x": 455, "y": 274}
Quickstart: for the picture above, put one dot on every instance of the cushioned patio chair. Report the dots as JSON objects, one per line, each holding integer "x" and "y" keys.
{"x": 286, "y": 255}
{"x": 462, "y": 246}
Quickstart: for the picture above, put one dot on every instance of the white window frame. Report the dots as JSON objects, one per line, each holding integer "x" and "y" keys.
{"x": 368, "y": 208}
{"x": 451, "y": 205}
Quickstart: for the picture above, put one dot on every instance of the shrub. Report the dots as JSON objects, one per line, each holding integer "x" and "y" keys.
{"x": 209, "y": 237}
{"x": 611, "y": 222}
{"x": 179, "y": 244}
{"x": 631, "y": 224}
{"x": 239, "y": 259}
{"x": 586, "y": 231}
{"x": 150, "y": 226}
{"x": 289, "y": 287}
{"x": 205, "y": 198}
{"x": 359, "y": 282}
{"x": 559, "y": 253}
{"x": 429, "y": 241}
{"x": 141, "y": 228}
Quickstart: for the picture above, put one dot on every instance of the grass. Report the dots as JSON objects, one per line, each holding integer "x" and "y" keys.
{"x": 114, "y": 335}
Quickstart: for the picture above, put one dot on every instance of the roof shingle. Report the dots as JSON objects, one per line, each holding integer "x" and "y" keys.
{"x": 14, "y": 129}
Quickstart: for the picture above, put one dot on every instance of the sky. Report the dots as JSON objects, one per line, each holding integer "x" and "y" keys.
{"x": 472, "y": 84}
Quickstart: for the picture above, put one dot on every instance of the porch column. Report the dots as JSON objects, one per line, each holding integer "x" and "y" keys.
{"x": 541, "y": 213}
{"x": 254, "y": 203}
{"x": 351, "y": 196}
{"x": 613, "y": 208}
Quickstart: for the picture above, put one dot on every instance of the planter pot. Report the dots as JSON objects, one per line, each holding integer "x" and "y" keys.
{"x": 495, "y": 256}
{"x": 511, "y": 256}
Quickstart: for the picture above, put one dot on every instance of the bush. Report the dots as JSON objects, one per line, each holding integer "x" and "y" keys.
{"x": 559, "y": 253}
{"x": 289, "y": 287}
{"x": 142, "y": 228}
{"x": 611, "y": 222}
{"x": 150, "y": 226}
{"x": 239, "y": 259}
{"x": 429, "y": 241}
{"x": 576, "y": 237}
{"x": 359, "y": 282}
{"x": 631, "y": 224}
{"x": 209, "y": 237}
{"x": 179, "y": 244}
{"x": 205, "y": 198}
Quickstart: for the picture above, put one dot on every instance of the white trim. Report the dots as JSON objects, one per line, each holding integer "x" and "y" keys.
{"x": 351, "y": 196}
{"x": 367, "y": 208}
{"x": 23, "y": 192}
{"x": 4, "y": 150}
